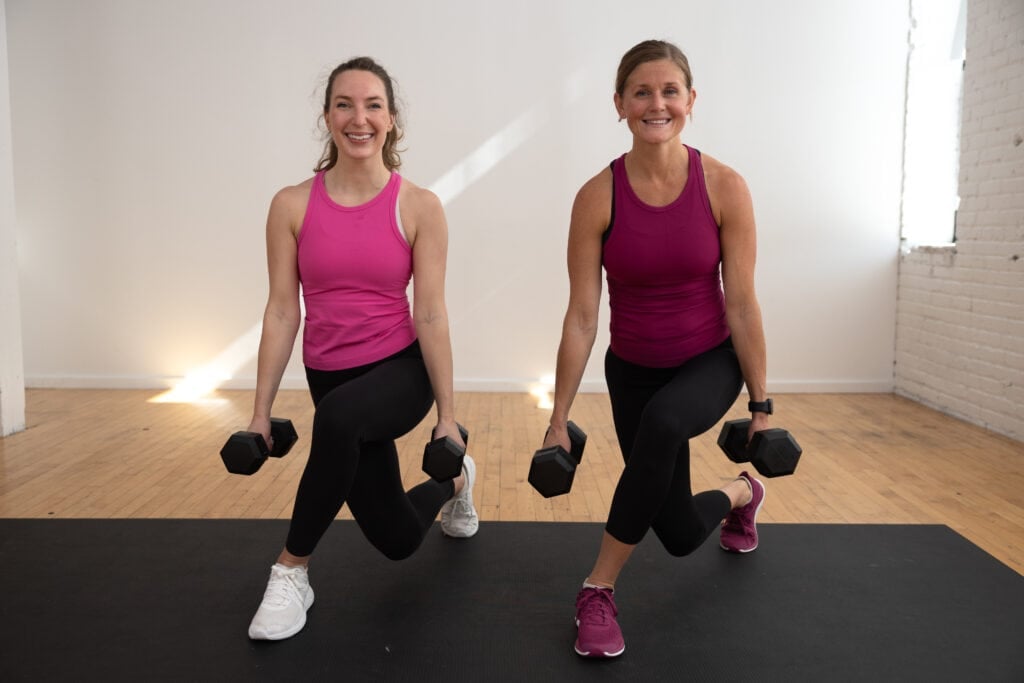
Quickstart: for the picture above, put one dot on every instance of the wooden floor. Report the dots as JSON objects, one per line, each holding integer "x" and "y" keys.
{"x": 868, "y": 458}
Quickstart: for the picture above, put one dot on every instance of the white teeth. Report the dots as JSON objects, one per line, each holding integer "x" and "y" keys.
{"x": 656, "y": 122}
{"x": 359, "y": 138}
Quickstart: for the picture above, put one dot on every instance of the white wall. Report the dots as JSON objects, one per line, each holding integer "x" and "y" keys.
{"x": 149, "y": 138}
{"x": 12, "y": 379}
{"x": 960, "y": 341}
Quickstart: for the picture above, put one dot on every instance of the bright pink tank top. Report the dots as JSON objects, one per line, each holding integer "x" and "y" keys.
{"x": 663, "y": 269}
{"x": 355, "y": 266}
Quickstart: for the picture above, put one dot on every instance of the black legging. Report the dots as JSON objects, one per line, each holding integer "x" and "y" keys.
{"x": 352, "y": 458}
{"x": 656, "y": 411}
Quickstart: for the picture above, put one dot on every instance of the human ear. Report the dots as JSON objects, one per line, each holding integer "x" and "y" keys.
{"x": 617, "y": 99}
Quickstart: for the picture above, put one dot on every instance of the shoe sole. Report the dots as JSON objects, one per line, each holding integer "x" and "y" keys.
{"x": 449, "y": 534}
{"x": 599, "y": 655}
{"x": 757, "y": 511}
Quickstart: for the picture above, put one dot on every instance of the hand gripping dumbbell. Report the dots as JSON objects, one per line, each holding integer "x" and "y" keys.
{"x": 442, "y": 458}
{"x": 552, "y": 470}
{"x": 245, "y": 452}
{"x": 772, "y": 452}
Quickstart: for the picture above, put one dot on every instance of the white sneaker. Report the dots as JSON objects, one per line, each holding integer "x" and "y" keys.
{"x": 458, "y": 516}
{"x": 282, "y": 613}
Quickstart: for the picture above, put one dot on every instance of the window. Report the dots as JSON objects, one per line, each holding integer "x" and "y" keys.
{"x": 931, "y": 142}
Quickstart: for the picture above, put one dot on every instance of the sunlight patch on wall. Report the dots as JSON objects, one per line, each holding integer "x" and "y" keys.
{"x": 199, "y": 383}
{"x": 543, "y": 391}
{"x": 499, "y": 146}
{"x": 477, "y": 163}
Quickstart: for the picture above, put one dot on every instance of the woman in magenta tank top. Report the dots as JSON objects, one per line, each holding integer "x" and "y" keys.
{"x": 350, "y": 239}
{"x": 674, "y": 231}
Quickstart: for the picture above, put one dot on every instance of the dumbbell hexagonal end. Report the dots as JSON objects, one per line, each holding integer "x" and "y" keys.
{"x": 442, "y": 458}
{"x": 733, "y": 440}
{"x": 776, "y": 452}
{"x": 577, "y": 441}
{"x": 244, "y": 453}
{"x": 551, "y": 472}
{"x": 284, "y": 435}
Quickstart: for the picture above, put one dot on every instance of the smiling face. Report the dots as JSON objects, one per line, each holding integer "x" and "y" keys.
{"x": 358, "y": 114}
{"x": 655, "y": 101}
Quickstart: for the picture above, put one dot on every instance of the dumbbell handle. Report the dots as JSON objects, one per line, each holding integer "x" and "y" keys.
{"x": 773, "y": 452}
{"x": 553, "y": 469}
{"x": 463, "y": 432}
{"x": 577, "y": 442}
{"x": 733, "y": 440}
{"x": 282, "y": 438}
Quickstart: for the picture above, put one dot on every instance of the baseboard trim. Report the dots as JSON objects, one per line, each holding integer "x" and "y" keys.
{"x": 498, "y": 385}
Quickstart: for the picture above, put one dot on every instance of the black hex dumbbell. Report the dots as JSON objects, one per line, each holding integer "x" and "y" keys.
{"x": 442, "y": 458}
{"x": 772, "y": 452}
{"x": 552, "y": 470}
{"x": 245, "y": 452}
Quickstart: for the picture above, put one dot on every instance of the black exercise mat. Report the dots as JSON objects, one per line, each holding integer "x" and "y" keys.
{"x": 170, "y": 600}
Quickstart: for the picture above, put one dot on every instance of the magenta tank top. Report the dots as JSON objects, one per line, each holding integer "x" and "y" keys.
{"x": 663, "y": 265}
{"x": 355, "y": 266}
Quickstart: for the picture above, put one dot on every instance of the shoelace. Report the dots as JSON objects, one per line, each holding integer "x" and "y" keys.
{"x": 281, "y": 590}
{"x": 595, "y": 607}
{"x": 734, "y": 523}
{"x": 459, "y": 505}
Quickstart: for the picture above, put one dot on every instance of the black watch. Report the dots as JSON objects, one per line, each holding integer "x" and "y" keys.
{"x": 764, "y": 406}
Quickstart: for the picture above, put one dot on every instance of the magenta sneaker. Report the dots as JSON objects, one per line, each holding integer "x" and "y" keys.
{"x": 599, "y": 634}
{"x": 739, "y": 529}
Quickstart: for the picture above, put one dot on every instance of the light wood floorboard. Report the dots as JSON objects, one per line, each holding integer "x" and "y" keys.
{"x": 868, "y": 458}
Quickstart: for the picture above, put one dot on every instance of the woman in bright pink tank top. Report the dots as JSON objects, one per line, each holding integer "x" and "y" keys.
{"x": 350, "y": 239}
{"x": 674, "y": 231}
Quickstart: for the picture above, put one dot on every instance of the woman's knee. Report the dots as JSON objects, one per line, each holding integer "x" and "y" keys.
{"x": 678, "y": 545}
{"x": 682, "y": 532}
{"x": 677, "y": 549}
{"x": 386, "y": 524}
{"x": 398, "y": 550}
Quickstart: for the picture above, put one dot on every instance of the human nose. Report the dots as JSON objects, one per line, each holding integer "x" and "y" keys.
{"x": 359, "y": 115}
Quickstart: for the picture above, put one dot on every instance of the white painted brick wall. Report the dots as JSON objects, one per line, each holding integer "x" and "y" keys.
{"x": 960, "y": 315}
